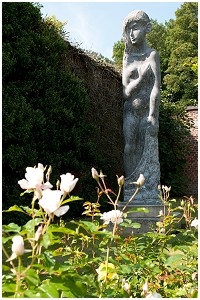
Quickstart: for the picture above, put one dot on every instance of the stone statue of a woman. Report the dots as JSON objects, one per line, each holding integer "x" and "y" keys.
{"x": 141, "y": 93}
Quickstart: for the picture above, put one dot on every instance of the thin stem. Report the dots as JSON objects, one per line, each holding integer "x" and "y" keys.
{"x": 47, "y": 225}
{"x": 107, "y": 256}
{"x": 6, "y": 254}
{"x": 104, "y": 191}
{"x": 18, "y": 277}
{"x": 32, "y": 261}
{"x": 136, "y": 191}
{"x": 117, "y": 199}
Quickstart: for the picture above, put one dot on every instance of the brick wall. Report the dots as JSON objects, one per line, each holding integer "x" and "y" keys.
{"x": 104, "y": 87}
{"x": 192, "y": 158}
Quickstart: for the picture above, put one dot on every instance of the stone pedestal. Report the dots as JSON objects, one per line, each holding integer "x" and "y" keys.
{"x": 149, "y": 167}
{"x": 145, "y": 219}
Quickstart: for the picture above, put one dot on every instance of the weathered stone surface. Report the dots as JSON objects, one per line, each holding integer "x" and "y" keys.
{"x": 148, "y": 166}
{"x": 147, "y": 220}
{"x": 141, "y": 93}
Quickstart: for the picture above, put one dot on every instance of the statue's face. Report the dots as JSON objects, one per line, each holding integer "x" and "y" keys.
{"x": 136, "y": 33}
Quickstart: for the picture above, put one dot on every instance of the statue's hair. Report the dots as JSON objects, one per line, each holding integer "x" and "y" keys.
{"x": 135, "y": 15}
{"x": 138, "y": 16}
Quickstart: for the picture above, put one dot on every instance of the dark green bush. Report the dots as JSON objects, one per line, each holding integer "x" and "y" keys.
{"x": 44, "y": 106}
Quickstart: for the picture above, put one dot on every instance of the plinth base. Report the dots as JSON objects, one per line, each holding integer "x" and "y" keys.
{"x": 145, "y": 219}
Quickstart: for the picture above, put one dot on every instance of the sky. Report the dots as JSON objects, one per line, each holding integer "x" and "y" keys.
{"x": 96, "y": 26}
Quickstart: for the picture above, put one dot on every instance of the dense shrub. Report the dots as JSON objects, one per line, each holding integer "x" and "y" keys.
{"x": 43, "y": 105}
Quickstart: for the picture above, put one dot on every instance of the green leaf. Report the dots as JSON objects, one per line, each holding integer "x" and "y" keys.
{"x": 68, "y": 294}
{"x": 14, "y": 208}
{"x": 26, "y": 192}
{"x": 194, "y": 294}
{"x": 30, "y": 225}
{"x": 72, "y": 198}
{"x": 174, "y": 260}
{"x": 139, "y": 209}
{"x": 136, "y": 225}
{"x": 12, "y": 227}
{"x": 49, "y": 262}
{"x": 49, "y": 290}
{"x": 124, "y": 257}
{"x": 34, "y": 294}
{"x": 56, "y": 228}
{"x": 5, "y": 268}
{"x": 125, "y": 269}
{"x": 45, "y": 241}
{"x": 9, "y": 288}
{"x": 71, "y": 286}
{"x": 32, "y": 278}
{"x": 89, "y": 226}
{"x": 29, "y": 211}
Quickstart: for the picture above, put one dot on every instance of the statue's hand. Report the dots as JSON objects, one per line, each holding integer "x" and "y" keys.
{"x": 152, "y": 126}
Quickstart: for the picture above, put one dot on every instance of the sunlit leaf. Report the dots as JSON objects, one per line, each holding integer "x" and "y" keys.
{"x": 14, "y": 208}
{"x": 30, "y": 225}
{"x": 45, "y": 241}
{"x": 136, "y": 225}
{"x": 12, "y": 227}
{"x": 174, "y": 259}
{"x": 71, "y": 199}
{"x": 138, "y": 209}
{"x": 8, "y": 287}
{"x": 56, "y": 228}
{"x": 32, "y": 278}
{"x": 34, "y": 294}
{"x": 89, "y": 226}
{"x": 49, "y": 290}
{"x": 26, "y": 192}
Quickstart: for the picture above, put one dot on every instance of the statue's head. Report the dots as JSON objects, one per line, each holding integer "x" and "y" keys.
{"x": 136, "y": 16}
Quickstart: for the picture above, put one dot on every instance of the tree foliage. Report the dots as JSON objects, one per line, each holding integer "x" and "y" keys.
{"x": 182, "y": 44}
{"x": 156, "y": 39}
{"x": 118, "y": 51}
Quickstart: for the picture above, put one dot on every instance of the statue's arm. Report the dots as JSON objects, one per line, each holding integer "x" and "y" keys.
{"x": 155, "y": 93}
{"x": 131, "y": 85}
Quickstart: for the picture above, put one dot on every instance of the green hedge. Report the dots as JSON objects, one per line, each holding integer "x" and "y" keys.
{"x": 44, "y": 107}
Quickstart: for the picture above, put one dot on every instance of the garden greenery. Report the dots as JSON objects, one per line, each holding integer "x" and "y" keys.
{"x": 98, "y": 255}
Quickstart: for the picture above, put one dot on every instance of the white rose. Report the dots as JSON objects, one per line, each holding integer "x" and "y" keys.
{"x": 17, "y": 247}
{"x": 51, "y": 201}
{"x": 67, "y": 182}
{"x": 112, "y": 216}
{"x": 34, "y": 177}
{"x": 194, "y": 223}
{"x": 95, "y": 174}
{"x": 141, "y": 180}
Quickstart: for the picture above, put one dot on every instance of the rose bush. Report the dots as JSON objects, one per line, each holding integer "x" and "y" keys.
{"x": 94, "y": 256}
